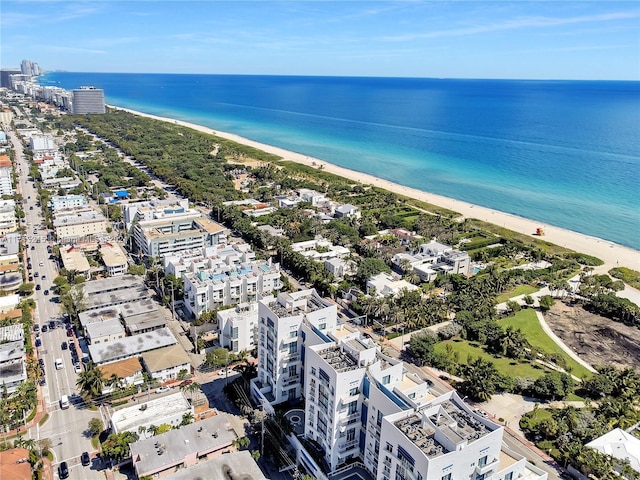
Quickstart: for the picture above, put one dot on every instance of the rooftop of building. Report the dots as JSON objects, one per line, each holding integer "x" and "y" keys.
{"x": 11, "y": 350}
{"x": 74, "y": 259}
{"x": 98, "y": 315}
{"x": 172, "y": 447}
{"x": 153, "y": 412}
{"x": 132, "y": 309}
{"x": 113, "y": 255}
{"x": 449, "y": 419}
{"x": 297, "y": 303}
{"x": 209, "y": 225}
{"x": 14, "y": 464}
{"x": 223, "y": 272}
{"x": 144, "y": 321}
{"x": 110, "y": 284}
{"x": 338, "y": 359}
{"x": 242, "y": 310}
{"x": 117, "y": 297}
{"x": 77, "y": 217}
{"x": 240, "y": 465}
{"x": 130, "y": 346}
{"x": 123, "y": 368}
{"x": 111, "y": 326}
{"x": 167, "y": 357}
{"x": 12, "y": 333}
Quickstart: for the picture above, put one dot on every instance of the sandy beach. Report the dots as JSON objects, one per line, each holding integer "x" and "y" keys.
{"x": 611, "y": 253}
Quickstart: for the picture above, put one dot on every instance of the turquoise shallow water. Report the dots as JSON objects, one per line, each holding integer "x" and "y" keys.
{"x": 564, "y": 153}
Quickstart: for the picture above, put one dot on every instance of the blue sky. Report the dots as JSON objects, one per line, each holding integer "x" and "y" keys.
{"x": 472, "y": 39}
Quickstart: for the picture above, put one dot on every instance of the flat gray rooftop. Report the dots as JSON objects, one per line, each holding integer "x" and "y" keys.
{"x": 238, "y": 465}
{"x": 145, "y": 305}
{"x": 98, "y": 315}
{"x": 207, "y": 435}
{"x": 130, "y": 346}
{"x": 111, "y": 284}
{"x": 111, "y": 326}
{"x": 157, "y": 412}
{"x": 12, "y": 333}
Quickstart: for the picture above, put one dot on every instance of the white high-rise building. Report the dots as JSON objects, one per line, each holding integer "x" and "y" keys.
{"x": 281, "y": 339}
{"x": 361, "y": 405}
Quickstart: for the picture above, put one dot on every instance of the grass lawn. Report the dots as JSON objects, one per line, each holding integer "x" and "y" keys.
{"x": 528, "y": 323}
{"x": 519, "y": 290}
{"x": 505, "y": 366}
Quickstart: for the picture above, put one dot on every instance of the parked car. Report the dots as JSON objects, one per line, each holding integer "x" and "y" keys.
{"x": 63, "y": 470}
{"x": 77, "y": 367}
{"x": 45, "y": 328}
{"x": 38, "y": 342}
{"x": 36, "y": 327}
{"x": 162, "y": 389}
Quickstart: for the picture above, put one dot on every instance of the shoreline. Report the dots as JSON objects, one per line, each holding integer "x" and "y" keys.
{"x": 610, "y": 252}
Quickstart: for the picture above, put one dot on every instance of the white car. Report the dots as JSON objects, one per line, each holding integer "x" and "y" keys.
{"x": 77, "y": 368}
{"x": 162, "y": 389}
{"x": 41, "y": 264}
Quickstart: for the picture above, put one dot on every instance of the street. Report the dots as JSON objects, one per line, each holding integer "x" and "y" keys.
{"x": 65, "y": 428}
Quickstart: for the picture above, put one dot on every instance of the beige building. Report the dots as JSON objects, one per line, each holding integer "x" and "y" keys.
{"x": 129, "y": 371}
{"x": 73, "y": 259}
{"x": 114, "y": 258}
{"x": 77, "y": 224}
{"x": 165, "y": 364}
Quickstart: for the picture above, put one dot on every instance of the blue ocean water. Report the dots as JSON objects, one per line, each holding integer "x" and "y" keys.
{"x": 565, "y": 153}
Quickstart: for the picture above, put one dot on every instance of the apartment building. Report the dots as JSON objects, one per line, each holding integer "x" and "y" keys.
{"x": 162, "y": 229}
{"x": 41, "y": 143}
{"x": 238, "y": 327}
{"x": 67, "y": 201}
{"x": 281, "y": 340}
{"x": 207, "y": 258}
{"x": 70, "y": 225}
{"x": 88, "y": 100}
{"x": 229, "y": 284}
{"x": 6, "y": 182}
{"x": 114, "y": 258}
{"x": 8, "y": 221}
{"x": 13, "y": 368}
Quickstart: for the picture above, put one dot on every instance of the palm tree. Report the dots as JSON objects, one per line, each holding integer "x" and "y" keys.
{"x": 91, "y": 381}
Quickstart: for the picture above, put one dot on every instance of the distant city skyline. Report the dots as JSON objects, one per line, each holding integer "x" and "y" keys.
{"x": 474, "y": 39}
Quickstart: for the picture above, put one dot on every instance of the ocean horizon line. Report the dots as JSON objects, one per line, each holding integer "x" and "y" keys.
{"x": 300, "y": 75}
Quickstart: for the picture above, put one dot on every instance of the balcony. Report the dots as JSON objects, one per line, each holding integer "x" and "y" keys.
{"x": 490, "y": 465}
{"x": 350, "y": 445}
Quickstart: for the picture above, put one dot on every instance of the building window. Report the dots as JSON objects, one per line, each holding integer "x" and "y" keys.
{"x": 313, "y": 370}
{"x": 322, "y": 326}
{"x": 386, "y": 379}
{"x": 351, "y": 434}
{"x": 389, "y": 448}
{"x": 352, "y": 407}
{"x": 293, "y": 334}
{"x": 446, "y": 477}
{"x": 379, "y": 422}
{"x": 353, "y": 391}
{"x": 483, "y": 461}
{"x": 293, "y": 348}
{"x": 508, "y": 476}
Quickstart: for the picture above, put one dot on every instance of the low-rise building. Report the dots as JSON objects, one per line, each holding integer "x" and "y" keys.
{"x": 112, "y": 291}
{"x": 13, "y": 368}
{"x": 131, "y": 346}
{"x": 339, "y": 267}
{"x": 169, "y": 409}
{"x": 105, "y": 331}
{"x": 70, "y": 225}
{"x": 114, "y": 259}
{"x": 14, "y": 464}
{"x": 621, "y": 445}
{"x": 10, "y": 275}
{"x": 74, "y": 259}
{"x": 6, "y": 170}
{"x": 184, "y": 447}
{"x": 166, "y": 363}
{"x": 65, "y": 202}
{"x": 129, "y": 371}
{"x": 385, "y": 284}
{"x": 143, "y": 316}
{"x": 238, "y": 327}
{"x": 347, "y": 211}
{"x": 320, "y": 249}
{"x": 8, "y": 221}
{"x": 230, "y": 465}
